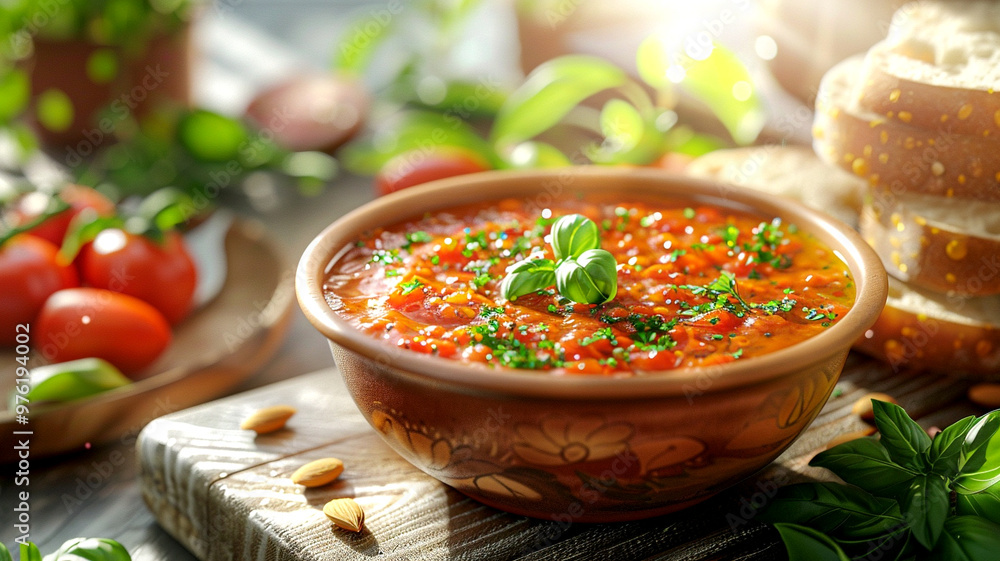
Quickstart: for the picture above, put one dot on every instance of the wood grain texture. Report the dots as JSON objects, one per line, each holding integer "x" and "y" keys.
{"x": 227, "y": 495}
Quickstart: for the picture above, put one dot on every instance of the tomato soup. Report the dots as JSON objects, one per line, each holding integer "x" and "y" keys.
{"x": 697, "y": 286}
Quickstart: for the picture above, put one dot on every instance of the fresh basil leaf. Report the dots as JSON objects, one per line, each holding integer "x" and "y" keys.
{"x": 975, "y": 450}
{"x": 806, "y": 544}
{"x": 573, "y": 234}
{"x": 29, "y": 552}
{"x": 926, "y": 507}
{"x": 981, "y": 469}
{"x": 945, "y": 453}
{"x": 903, "y": 438}
{"x": 550, "y": 92}
{"x": 90, "y": 549}
{"x": 865, "y": 463}
{"x": 66, "y": 381}
{"x": 985, "y": 504}
{"x": 525, "y": 277}
{"x": 590, "y": 279}
{"x": 840, "y": 511}
{"x": 968, "y": 538}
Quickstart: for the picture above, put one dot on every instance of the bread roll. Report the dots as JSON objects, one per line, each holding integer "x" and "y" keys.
{"x": 946, "y": 245}
{"x": 900, "y": 157}
{"x": 788, "y": 171}
{"x": 924, "y": 330}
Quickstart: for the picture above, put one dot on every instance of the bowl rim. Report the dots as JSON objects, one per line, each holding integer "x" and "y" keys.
{"x": 866, "y": 269}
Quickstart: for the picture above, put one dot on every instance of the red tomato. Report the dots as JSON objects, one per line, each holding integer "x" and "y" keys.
{"x": 54, "y": 229}
{"x": 417, "y": 166}
{"x": 92, "y": 322}
{"x": 29, "y": 273}
{"x": 161, "y": 274}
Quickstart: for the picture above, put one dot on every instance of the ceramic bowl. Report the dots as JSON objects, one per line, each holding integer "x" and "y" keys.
{"x": 588, "y": 449}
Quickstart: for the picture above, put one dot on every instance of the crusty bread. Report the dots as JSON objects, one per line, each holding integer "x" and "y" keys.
{"x": 900, "y": 157}
{"x": 939, "y": 68}
{"x": 788, "y": 171}
{"x": 968, "y": 106}
{"x": 945, "y": 245}
{"x": 922, "y": 330}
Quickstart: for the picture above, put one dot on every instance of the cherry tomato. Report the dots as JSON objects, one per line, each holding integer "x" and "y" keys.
{"x": 54, "y": 228}
{"x": 417, "y": 166}
{"x": 92, "y": 322}
{"x": 29, "y": 273}
{"x": 161, "y": 274}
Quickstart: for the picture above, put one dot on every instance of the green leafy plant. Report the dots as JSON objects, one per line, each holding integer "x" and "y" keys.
{"x": 582, "y": 271}
{"x": 126, "y": 25}
{"x": 908, "y": 497}
{"x": 75, "y": 379}
{"x": 631, "y": 128}
{"x": 76, "y": 549}
{"x": 196, "y": 152}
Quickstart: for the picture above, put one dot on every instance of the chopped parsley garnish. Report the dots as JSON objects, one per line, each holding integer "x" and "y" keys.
{"x": 385, "y": 257}
{"x": 816, "y": 314}
{"x": 605, "y": 333}
{"x": 511, "y": 352}
{"x": 416, "y": 237}
{"x": 410, "y": 285}
{"x": 490, "y": 311}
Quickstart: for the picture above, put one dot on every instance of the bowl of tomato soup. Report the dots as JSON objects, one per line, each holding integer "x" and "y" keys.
{"x": 658, "y": 339}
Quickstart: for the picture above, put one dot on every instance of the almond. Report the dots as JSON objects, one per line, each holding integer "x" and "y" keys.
{"x": 268, "y": 419}
{"x": 985, "y": 395}
{"x": 318, "y": 472}
{"x": 849, "y": 436}
{"x": 863, "y": 406}
{"x": 345, "y": 513}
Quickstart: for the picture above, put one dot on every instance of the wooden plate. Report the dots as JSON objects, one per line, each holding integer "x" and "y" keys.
{"x": 213, "y": 350}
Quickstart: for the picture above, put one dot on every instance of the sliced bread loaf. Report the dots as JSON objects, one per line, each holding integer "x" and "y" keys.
{"x": 900, "y": 157}
{"x": 945, "y": 245}
{"x": 939, "y": 68}
{"x": 921, "y": 330}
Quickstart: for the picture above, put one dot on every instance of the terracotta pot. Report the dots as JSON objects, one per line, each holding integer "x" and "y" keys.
{"x": 591, "y": 449}
{"x": 162, "y": 73}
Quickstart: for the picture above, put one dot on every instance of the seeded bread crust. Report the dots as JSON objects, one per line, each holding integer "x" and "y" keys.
{"x": 921, "y": 330}
{"x": 943, "y": 245}
{"x": 901, "y": 158}
{"x": 974, "y": 112}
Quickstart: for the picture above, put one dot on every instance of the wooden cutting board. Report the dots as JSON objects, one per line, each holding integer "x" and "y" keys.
{"x": 226, "y": 494}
